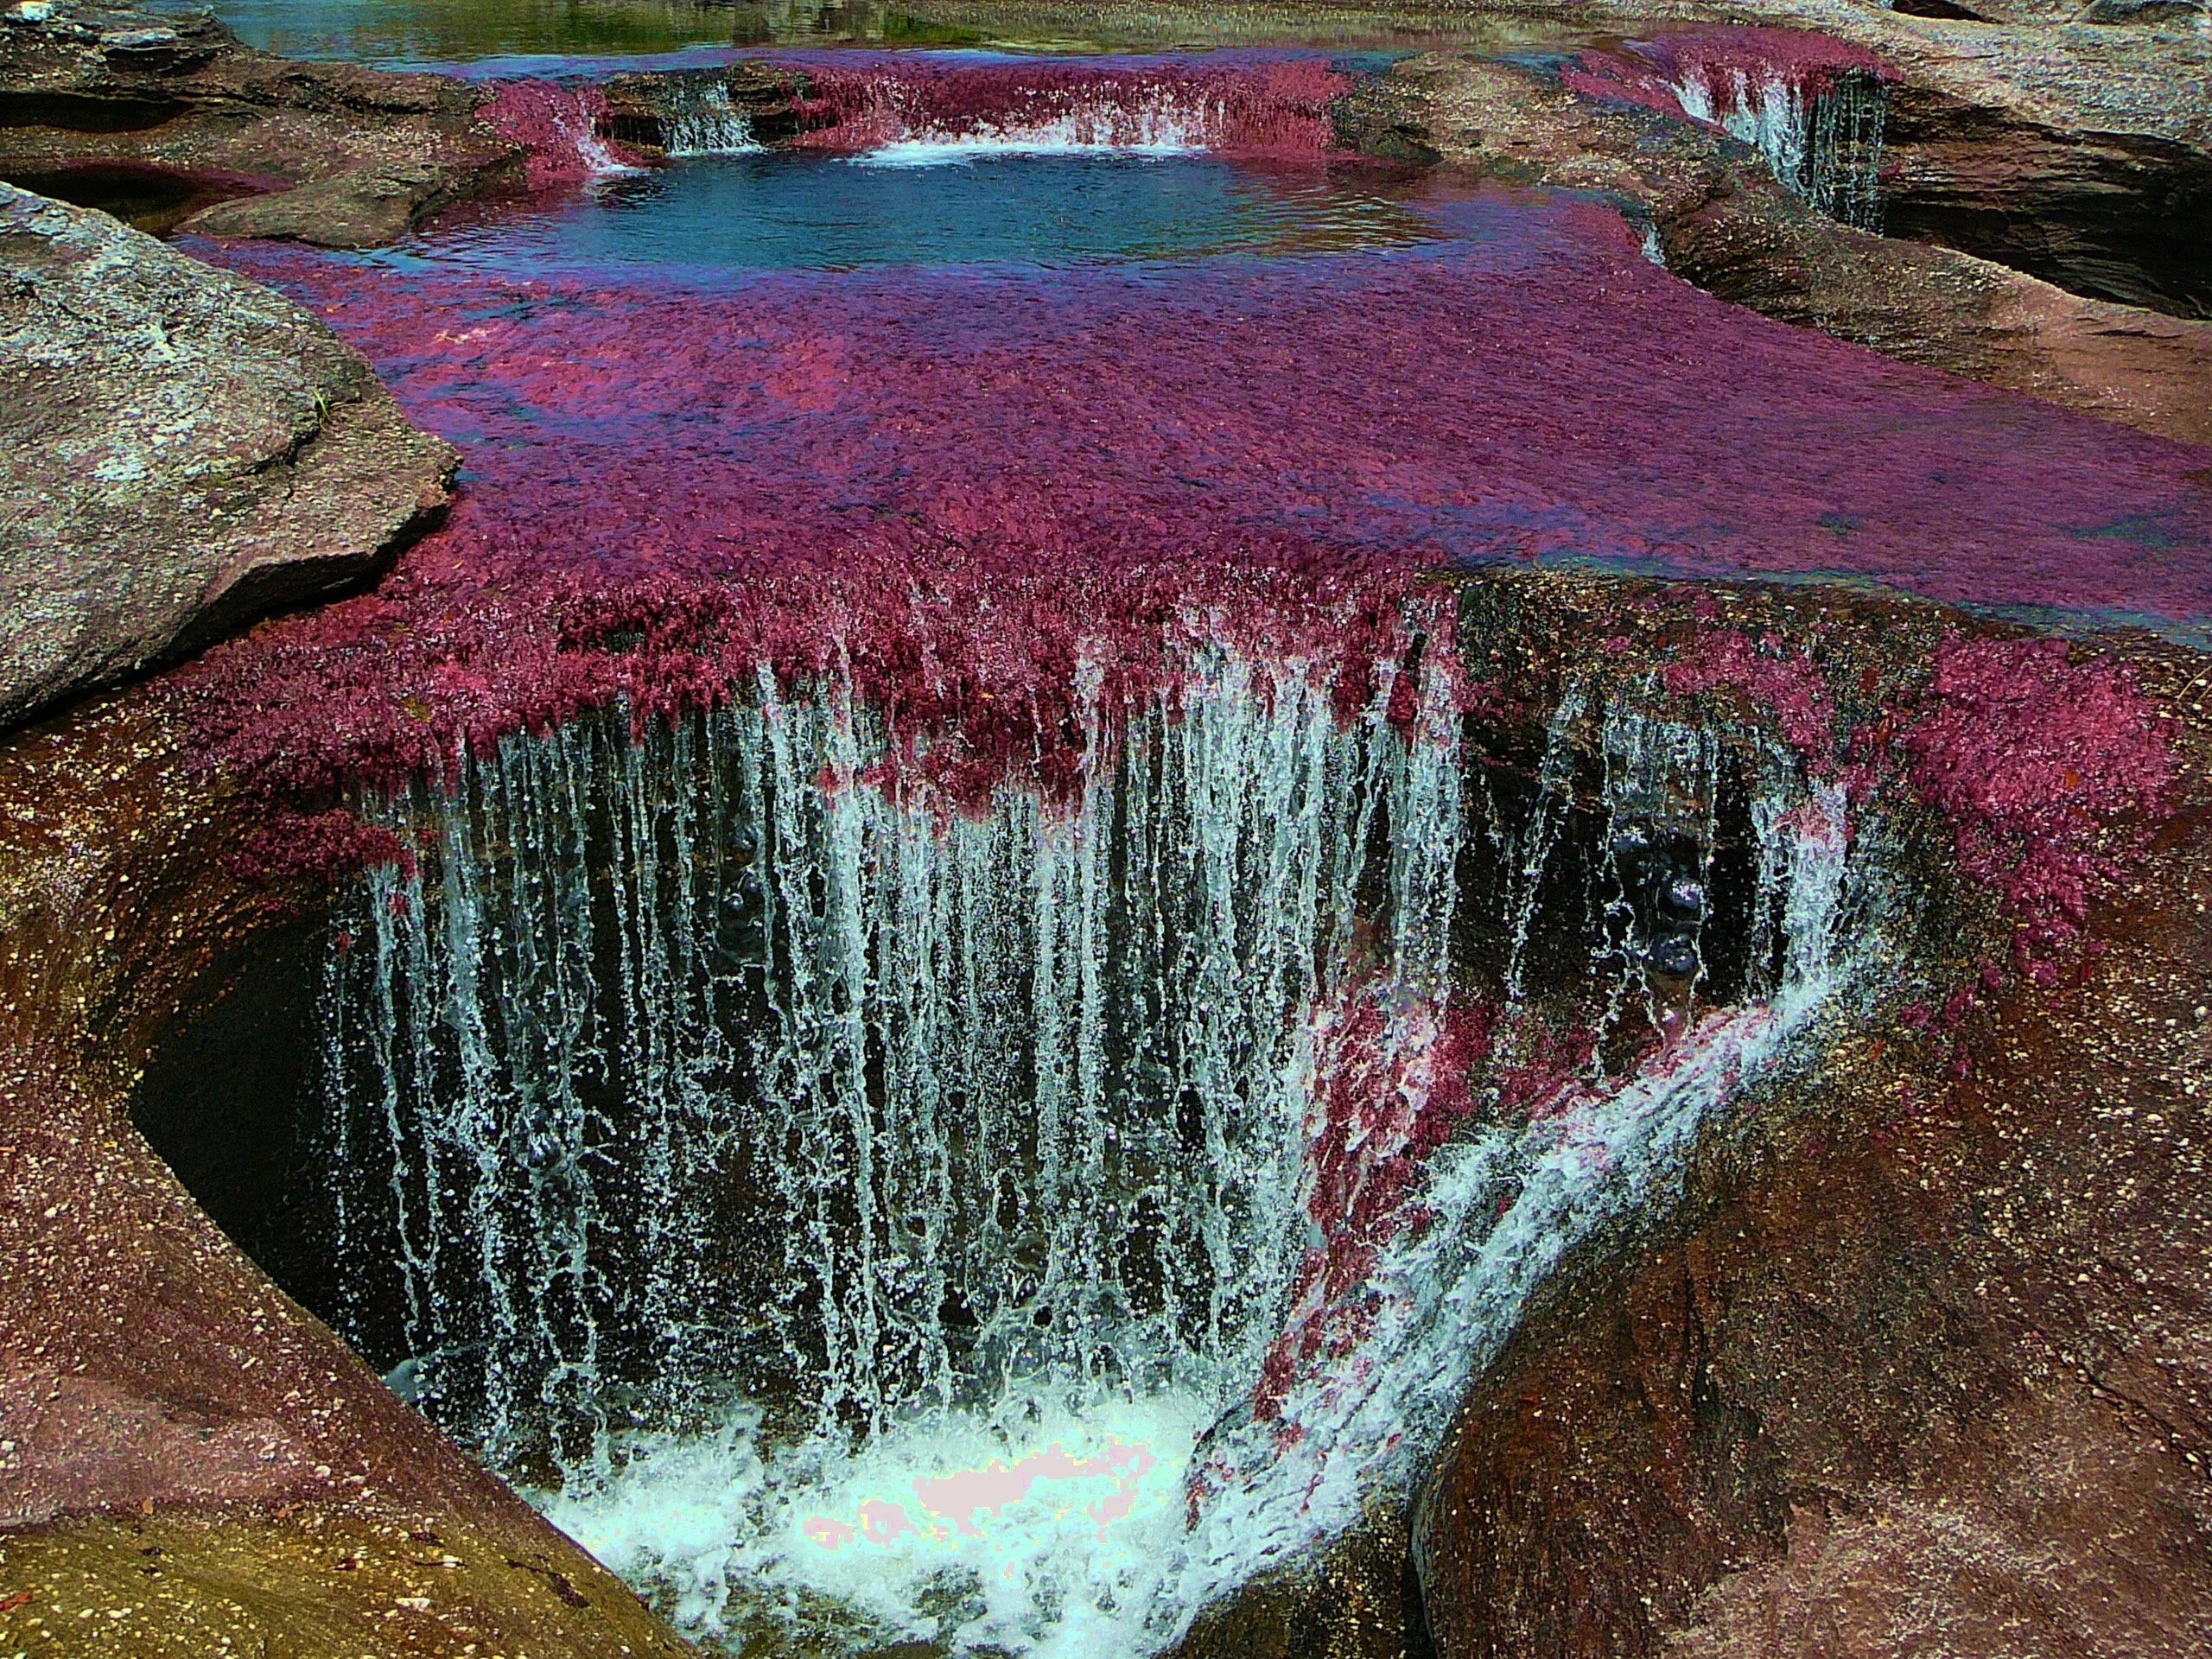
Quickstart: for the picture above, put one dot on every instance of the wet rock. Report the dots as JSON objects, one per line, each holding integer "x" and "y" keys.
{"x": 1922, "y": 1364}
{"x": 186, "y": 1456}
{"x": 647, "y": 110}
{"x": 1354, "y": 1599}
{"x": 1684, "y": 896}
{"x": 333, "y": 154}
{"x": 180, "y": 451}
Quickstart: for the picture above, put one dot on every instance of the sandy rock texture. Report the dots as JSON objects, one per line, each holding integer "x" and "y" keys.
{"x": 168, "y": 112}
{"x": 181, "y": 450}
{"x": 190, "y": 1463}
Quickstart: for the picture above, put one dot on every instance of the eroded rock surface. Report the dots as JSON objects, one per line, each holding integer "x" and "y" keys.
{"x": 179, "y": 451}
{"x": 166, "y": 116}
{"x": 190, "y": 1463}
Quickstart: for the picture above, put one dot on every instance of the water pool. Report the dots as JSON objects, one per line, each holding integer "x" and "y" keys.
{"x": 927, "y": 206}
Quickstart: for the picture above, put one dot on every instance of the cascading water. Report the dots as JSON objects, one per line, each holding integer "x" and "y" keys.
{"x": 1824, "y": 144}
{"x": 699, "y": 120}
{"x": 1815, "y": 107}
{"x": 1017, "y": 1228}
{"x": 932, "y": 110}
{"x": 559, "y": 128}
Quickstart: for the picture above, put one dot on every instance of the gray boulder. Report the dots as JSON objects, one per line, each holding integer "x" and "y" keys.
{"x": 181, "y": 452}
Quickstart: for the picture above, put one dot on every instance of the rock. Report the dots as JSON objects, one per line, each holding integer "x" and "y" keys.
{"x": 361, "y": 209}
{"x": 183, "y": 1448}
{"x": 334, "y": 154}
{"x": 180, "y": 451}
{"x": 2117, "y": 216}
{"x": 1353, "y": 1599}
{"x": 2154, "y": 12}
{"x": 1922, "y": 1364}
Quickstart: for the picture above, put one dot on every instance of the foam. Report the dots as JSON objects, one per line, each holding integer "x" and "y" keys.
{"x": 1050, "y": 1537}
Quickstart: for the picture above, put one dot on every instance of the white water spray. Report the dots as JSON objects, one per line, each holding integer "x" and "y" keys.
{"x": 1826, "y": 149}
{"x": 1164, "y": 123}
{"x": 699, "y": 120}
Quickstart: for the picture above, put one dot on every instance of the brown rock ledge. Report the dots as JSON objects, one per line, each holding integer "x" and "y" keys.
{"x": 190, "y": 1465}
{"x": 100, "y": 101}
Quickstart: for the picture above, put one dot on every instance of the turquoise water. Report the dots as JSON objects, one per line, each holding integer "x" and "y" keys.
{"x": 784, "y": 211}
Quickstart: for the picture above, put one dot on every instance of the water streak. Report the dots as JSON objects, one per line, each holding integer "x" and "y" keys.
{"x": 699, "y": 120}
{"x": 1823, "y": 142}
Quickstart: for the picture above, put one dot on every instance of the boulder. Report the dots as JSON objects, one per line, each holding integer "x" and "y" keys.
{"x": 190, "y": 1463}
{"x": 180, "y": 451}
{"x": 1921, "y": 1365}
{"x": 165, "y": 117}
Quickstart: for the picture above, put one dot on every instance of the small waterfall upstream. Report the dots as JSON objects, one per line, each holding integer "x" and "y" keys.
{"x": 1016, "y": 1229}
{"x": 699, "y": 120}
{"x": 1824, "y": 144}
{"x": 560, "y": 129}
{"x": 927, "y": 110}
{"x": 1814, "y": 108}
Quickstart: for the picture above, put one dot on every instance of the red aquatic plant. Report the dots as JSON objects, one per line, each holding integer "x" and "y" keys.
{"x": 1390, "y": 1083}
{"x": 1266, "y": 107}
{"x": 320, "y": 844}
{"x": 560, "y": 128}
{"x": 2047, "y": 770}
{"x": 1783, "y": 686}
{"x": 989, "y": 500}
{"x": 1724, "y": 68}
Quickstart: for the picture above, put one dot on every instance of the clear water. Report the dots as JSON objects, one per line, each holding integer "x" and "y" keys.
{"x": 917, "y": 206}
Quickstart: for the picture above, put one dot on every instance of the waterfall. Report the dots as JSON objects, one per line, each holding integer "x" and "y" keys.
{"x": 1502, "y": 1208}
{"x": 1160, "y": 125}
{"x": 924, "y": 109}
{"x": 699, "y": 120}
{"x": 1822, "y": 136}
{"x": 558, "y": 128}
{"x": 973, "y": 1058}
{"x": 1017, "y": 1227}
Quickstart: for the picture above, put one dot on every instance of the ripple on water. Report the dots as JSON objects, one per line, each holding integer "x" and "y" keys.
{"x": 1025, "y": 203}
